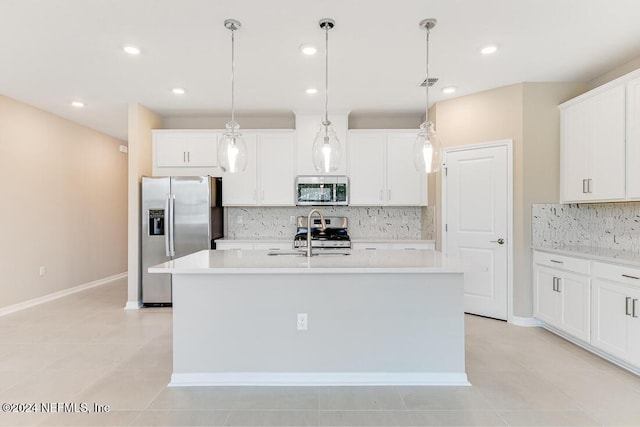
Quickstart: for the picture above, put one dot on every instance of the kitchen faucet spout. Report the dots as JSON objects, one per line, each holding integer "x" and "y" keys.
{"x": 322, "y": 222}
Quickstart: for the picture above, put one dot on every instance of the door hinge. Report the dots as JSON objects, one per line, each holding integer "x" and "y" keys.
{"x": 446, "y": 169}
{"x": 446, "y": 227}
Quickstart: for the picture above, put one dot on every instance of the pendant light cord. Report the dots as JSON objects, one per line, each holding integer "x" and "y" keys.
{"x": 426, "y": 113}
{"x": 326, "y": 73}
{"x": 233, "y": 104}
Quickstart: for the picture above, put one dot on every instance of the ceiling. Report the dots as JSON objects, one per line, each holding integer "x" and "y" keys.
{"x": 57, "y": 51}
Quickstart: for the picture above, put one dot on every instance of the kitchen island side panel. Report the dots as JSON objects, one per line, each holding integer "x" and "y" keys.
{"x": 230, "y": 324}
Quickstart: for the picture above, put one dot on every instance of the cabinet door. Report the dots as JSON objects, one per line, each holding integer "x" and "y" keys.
{"x": 240, "y": 189}
{"x": 633, "y": 336}
{"x": 170, "y": 149}
{"x": 607, "y": 146}
{"x": 366, "y": 169}
{"x": 547, "y": 300}
{"x": 405, "y": 185}
{"x": 202, "y": 149}
{"x": 609, "y": 319}
{"x": 633, "y": 139}
{"x": 574, "y": 152}
{"x": 276, "y": 162}
{"x": 575, "y": 296}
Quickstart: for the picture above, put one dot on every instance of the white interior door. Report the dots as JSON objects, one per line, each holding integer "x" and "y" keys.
{"x": 476, "y": 216}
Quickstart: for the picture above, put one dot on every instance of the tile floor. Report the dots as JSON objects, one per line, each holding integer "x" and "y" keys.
{"x": 86, "y": 349}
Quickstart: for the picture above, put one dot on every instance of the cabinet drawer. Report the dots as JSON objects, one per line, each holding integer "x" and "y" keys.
{"x": 273, "y": 246}
{"x": 617, "y": 273}
{"x": 563, "y": 262}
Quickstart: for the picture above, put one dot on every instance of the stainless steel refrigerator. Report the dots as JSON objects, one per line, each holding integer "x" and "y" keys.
{"x": 180, "y": 216}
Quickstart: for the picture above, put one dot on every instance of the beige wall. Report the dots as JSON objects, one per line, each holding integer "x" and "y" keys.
{"x": 614, "y": 74}
{"x": 527, "y": 114}
{"x": 141, "y": 122}
{"x": 64, "y": 204}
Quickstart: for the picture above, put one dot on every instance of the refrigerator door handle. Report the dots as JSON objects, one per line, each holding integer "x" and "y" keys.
{"x": 167, "y": 230}
{"x": 172, "y": 247}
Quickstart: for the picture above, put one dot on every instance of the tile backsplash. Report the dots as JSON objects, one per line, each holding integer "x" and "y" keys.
{"x": 604, "y": 225}
{"x": 387, "y": 222}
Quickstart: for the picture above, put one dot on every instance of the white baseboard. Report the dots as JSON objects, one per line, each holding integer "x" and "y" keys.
{"x": 133, "y": 305}
{"x": 527, "y": 322}
{"x": 50, "y": 297}
{"x": 318, "y": 379}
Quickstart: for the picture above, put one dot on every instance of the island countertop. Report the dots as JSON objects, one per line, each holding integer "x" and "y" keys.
{"x": 264, "y": 262}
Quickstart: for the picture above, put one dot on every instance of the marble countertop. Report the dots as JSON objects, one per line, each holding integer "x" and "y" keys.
{"x": 594, "y": 253}
{"x": 358, "y": 261}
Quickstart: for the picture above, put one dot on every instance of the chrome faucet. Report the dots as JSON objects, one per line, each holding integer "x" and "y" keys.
{"x": 324, "y": 226}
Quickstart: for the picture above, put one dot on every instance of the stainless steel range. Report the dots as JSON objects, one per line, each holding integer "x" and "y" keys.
{"x": 333, "y": 239}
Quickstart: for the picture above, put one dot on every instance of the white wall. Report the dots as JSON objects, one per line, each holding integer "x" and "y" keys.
{"x": 64, "y": 204}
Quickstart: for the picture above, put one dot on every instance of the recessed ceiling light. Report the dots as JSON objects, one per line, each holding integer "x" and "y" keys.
{"x": 178, "y": 91}
{"x": 449, "y": 89}
{"x": 311, "y": 91}
{"x": 307, "y": 49}
{"x": 77, "y": 104}
{"x": 131, "y": 50}
{"x": 489, "y": 49}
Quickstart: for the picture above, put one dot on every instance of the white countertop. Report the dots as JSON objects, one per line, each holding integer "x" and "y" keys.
{"x": 594, "y": 253}
{"x": 359, "y": 261}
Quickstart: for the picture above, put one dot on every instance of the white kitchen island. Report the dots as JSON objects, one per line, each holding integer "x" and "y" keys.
{"x": 380, "y": 317}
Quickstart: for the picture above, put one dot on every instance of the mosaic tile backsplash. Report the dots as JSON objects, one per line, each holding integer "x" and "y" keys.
{"x": 603, "y": 225}
{"x": 364, "y": 222}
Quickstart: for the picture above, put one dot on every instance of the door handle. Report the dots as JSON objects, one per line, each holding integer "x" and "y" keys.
{"x": 172, "y": 211}
{"x": 500, "y": 241}
{"x": 167, "y": 231}
{"x": 626, "y": 306}
{"x": 633, "y": 308}
{"x": 555, "y": 283}
{"x": 585, "y": 186}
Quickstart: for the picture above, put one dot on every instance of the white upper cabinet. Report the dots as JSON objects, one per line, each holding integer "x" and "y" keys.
{"x": 185, "y": 148}
{"x": 633, "y": 139}
{"x": 268, "y": 179}
{"x": 307, "y": 126}
{"x": 381, "y": 171}
{"x": 600, "y": 143}
{"x": 593, "y": 147}
{"x": 366, "y": 168}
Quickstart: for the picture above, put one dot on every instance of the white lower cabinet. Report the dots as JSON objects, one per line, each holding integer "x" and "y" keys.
{"x": 562, "y": 300}
{"x": 616, "y": 312}
{"x": 594, "y": 301}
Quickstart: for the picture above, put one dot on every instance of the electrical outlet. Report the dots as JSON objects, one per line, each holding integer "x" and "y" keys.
{"x": 42, "y": 271}
{"x": 303, "y": 321}
{"x": 239, "y": 219}
{"x": 374, "y": 219}
{"x": 292, "y": 219}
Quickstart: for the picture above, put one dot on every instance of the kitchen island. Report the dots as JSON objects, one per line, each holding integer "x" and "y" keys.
{"x": 380, "y": 317}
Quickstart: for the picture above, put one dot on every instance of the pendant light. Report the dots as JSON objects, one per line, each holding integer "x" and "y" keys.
{"x": 426, "y": 149}
{"x": 232, "y": 150}
{"x": 326, "y": 147}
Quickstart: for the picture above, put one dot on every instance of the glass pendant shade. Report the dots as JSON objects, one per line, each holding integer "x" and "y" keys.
{"x": 427, "y": 150}
{"x": 232, "y": 150}
{"x": 326, "y": 149}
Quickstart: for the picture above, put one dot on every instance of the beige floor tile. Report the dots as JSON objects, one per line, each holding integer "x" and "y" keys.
{"x": 448, "y": 418}
{"x": 126, "y": 390}
{"x": 629, "y": 417}
{"x": 237, "y": 398}
{"x": 20, "y": 419}
{"x": 547, "y": 418}
{"x": 181, "y": 418}
{"x": 360, "y": 398}
{"x": 443, "y": 398}
{"x": 112, "y": 418}
{"x": 357, "y": 418}
{"x": 51, "y": 386}
{"x": 272, "y": 418}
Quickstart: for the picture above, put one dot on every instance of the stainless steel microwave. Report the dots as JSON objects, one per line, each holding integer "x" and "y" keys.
{"x": 322, "y": 190}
